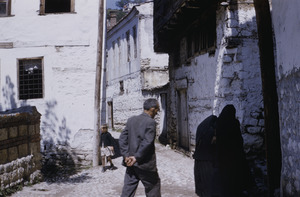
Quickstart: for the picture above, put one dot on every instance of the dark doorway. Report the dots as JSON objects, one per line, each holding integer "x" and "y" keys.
{"x": 182, "y": 120}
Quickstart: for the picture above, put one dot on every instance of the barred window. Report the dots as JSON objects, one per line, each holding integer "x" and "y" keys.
{"x": 30, "y": 78}
{"x": 200, "y": 39}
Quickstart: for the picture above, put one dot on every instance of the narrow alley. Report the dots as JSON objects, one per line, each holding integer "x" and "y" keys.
{"x": 67, "y": 67}
{"x": 175, "y": 170}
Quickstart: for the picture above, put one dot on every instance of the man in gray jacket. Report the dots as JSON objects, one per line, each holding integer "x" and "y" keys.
{"x": 137, "y": 147}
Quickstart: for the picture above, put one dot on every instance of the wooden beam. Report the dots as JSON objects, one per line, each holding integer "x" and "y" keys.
{"x": 97, "y": 111}
{"x": 267, "y": 64}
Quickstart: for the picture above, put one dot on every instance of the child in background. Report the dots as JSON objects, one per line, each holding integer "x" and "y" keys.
{"x": 106, "y": 147}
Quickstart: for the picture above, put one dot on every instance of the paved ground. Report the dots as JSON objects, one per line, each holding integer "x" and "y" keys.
{"x": 174, "y": 168}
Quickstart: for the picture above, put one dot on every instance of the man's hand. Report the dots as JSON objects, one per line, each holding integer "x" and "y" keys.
{"x": 130, "y": 161}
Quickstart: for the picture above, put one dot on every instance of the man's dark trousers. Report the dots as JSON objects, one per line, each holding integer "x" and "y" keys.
{"x": 150, "y": 180}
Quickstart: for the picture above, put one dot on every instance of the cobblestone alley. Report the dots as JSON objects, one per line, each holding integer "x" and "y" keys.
{"x": 175, "y": 170}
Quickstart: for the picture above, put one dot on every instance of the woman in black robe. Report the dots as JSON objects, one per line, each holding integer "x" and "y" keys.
{"x": 232, "y": 164}
{"x": 204, "y": 156}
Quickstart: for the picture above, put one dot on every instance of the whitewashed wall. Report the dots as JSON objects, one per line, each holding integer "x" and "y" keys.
{"x": 130, "y": 102}
{"x": 230, "y": 76}
{"x": 68, "y": 44}
{"x": 286, "y": 23}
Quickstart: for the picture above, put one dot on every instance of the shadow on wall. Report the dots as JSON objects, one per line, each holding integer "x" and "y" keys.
{"x": 9, "y": 95}
{"x": 59, "y": 161}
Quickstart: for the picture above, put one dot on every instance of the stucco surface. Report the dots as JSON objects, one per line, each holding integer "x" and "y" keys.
{"x": 68, "y": 45}
{"x": 286, "y": 22}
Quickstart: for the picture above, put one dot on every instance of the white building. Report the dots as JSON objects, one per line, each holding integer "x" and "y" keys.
{"x": 48, "y": 54}
{"x": 214, "y": 61}
{"x": 134, "y": 72}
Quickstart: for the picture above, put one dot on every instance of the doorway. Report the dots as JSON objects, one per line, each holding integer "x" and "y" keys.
{"x": 183, "y": 136}
{"x": 110, "y": 116}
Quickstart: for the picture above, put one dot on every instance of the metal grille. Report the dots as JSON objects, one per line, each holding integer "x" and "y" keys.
{"x": 30, "y": 79}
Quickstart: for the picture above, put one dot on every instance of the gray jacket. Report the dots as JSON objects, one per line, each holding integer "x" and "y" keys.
{"x": 137, "y": 139}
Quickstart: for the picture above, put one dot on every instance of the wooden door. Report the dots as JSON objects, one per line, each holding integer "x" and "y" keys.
{"x": 182, "y": 120}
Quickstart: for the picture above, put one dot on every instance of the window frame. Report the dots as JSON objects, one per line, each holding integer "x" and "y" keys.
{"x": 8, "y": 8}
{"x": 43, "y": 4}
{"x": 42, "y": 73}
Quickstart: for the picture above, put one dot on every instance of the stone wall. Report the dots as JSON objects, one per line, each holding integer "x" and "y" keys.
{"x": 290, "y": 138}
{"x": 230, "y": 75}
{"x": 20, "y": 159}
{"x": 285, "y": 20}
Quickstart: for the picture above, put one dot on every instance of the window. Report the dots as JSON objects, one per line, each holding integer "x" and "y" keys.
{"x": 114, "y": 52}
{"x": 128, "y": 45}
{"x": 119, "y": 50}
{"x": 190, "y": 46}
{"x": 200, "y": 39}
{"x": 30, "y": 78}
{"x": 56, "y": 6}
{"x": 134, "y": 41}
{"x": 5, "y": 7}
{"x": 113, "y": 45}
{"x": 121, "y": 87}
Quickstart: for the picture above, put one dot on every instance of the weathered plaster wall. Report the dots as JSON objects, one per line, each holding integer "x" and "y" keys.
{"x": 156, "y": 60}
{"x": 117, "y": 64}
{"x": 286, "y": 22}
{"x": 230, "y": 76}
{"x": 68, "y": 44}
{"x": 137, "y": 73}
